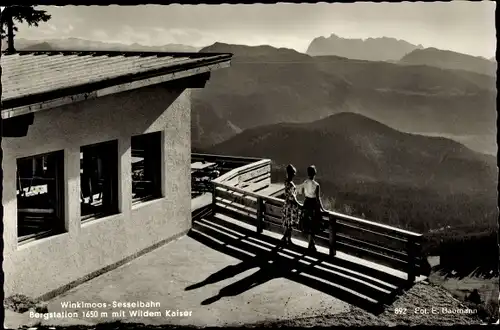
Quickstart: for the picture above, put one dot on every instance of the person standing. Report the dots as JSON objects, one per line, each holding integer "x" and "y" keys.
{"x": 291, "y": 208}
{"x": 313, "y": 209}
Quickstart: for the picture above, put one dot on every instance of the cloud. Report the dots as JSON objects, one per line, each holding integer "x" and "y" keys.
{"x": 44, "y": 30}
{"x": 155, "y": 36}
{"x": 100, "y": 35}
{"x": 184, "y": 36}
{"x": 158, "y": 36}
{"x": 68, "y": 29}
{"x": 132, "y": 35}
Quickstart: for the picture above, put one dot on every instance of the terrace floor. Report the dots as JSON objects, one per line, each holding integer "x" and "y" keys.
{"x": 227, "y": 275}
{"x": 173, "y": 275}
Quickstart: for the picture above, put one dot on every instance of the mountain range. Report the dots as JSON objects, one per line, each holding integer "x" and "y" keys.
{"x": 351, "y": 147}
{"x": 450, "y": 60}
{"x": 266, "y": 86}
{"x": 427, "y": 181}
{"x": 371, "y": 49}
{"x": 357, "y": 120}
{"x": 399, "y": 51}
{"x": 83, "y": 44}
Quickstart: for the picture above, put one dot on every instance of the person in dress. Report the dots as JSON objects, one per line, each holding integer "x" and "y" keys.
{"x": 313, "y": 208}
{"x": 291, "y": 208}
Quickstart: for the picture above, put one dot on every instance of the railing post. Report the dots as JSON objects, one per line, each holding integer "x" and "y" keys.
{"x": 260, "y": 215}
{"x": 214, "y": 199}
{"x": 333, "y": 234}
{"x": 412, "y": 260}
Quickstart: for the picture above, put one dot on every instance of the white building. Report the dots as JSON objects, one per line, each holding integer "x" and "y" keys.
{"x": 96, "y": 160}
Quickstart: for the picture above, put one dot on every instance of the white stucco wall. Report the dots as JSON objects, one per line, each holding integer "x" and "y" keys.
{"x": 39, "y": 267}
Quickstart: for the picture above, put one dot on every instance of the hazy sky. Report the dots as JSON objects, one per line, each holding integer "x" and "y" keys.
{"x": 462, "y": 26}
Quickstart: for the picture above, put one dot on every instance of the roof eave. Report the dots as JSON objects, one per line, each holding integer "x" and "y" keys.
{"x": 143, "y": 81}
{"x": 195, "y": 61}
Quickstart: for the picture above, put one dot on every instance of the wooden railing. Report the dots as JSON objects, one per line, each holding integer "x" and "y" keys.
{"x": 236, "y": 194}
{"x": 224, "y": 163}
{"x": 251, "y": 177}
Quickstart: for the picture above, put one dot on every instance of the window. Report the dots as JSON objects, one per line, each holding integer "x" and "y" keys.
{"x": 40, "y": 196}
{"x": 146, "y": 167}
{"x": 99, "y": 180}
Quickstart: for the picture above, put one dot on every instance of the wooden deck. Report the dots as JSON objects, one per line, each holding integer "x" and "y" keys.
{"x": 245, "y": 195}
{"x": 201, "y": 201}
{"x": 301, "y": 245}
{"x": 356, "y": 281}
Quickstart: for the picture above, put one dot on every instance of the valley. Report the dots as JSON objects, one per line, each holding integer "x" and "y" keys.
{"x": 269, "y": 86}
{"x": 412, "y": 181}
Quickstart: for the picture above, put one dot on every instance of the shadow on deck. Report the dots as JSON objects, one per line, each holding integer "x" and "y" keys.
{"x": 364, "y": 263}
{"x": 342, "y": 277}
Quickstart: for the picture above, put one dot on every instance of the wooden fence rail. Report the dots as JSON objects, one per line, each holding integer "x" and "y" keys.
{"x": 236, "y": 194}
{"x": 224, "y": 163}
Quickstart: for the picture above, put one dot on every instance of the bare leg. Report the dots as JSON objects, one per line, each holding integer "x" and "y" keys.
{"x": 312, "y": 245}
{"x": 312, "y": 231}
{"x": 285, "y": 233}
{"x": 289, "y": 235}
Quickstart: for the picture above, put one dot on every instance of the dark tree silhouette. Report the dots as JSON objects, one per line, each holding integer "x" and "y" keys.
{"x": 21, "y": 14}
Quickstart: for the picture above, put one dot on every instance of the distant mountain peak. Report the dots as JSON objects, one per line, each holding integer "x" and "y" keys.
{"x": 447, "y": 59}
{"x": 219, "y": 44}
{"x": 371, "y": 49}
{"x": 348, "y": 120}
{"x": 345, "y": 116}
{"x": 76, "y": 44}
{"x": 254, "y": 51}
{"x": 44, "y": 46}
{"x": 349, "y": 116}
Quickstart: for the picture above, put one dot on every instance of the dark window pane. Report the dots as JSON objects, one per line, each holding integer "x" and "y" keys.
{"x": 146, "y": 166}
{"x": 99, "y": 179}
{"x": 40, "y": 195}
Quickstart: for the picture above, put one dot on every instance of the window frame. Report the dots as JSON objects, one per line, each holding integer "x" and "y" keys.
{"x": 106, "y": 154}
{"x": 59, "y": 225}
{"x": 155, "y": 141}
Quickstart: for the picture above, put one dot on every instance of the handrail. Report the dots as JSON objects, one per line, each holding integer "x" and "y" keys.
{"x": 233, "y": 173}
{"x": 223, "y": 157}
{"x": 225, "y": 164}
{"x": 341, "y": 216}
{"x": 248, "y": 193}
{"x": 337, "y": 215}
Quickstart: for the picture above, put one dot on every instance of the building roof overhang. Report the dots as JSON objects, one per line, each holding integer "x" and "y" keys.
{"x": 36, "y": 81}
